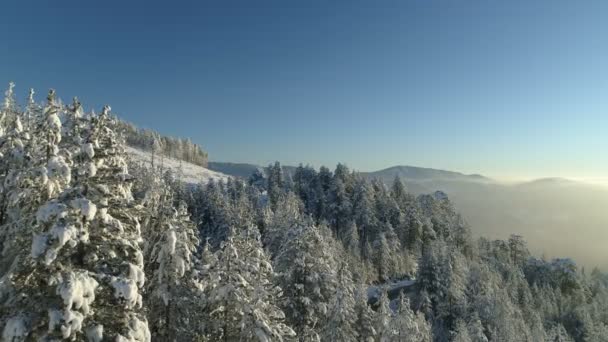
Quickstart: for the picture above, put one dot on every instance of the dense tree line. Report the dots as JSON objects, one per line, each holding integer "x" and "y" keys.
{"x": 352, "y": 234}
{"x": 152, "y": 141}
{"x": 97, "y": 247}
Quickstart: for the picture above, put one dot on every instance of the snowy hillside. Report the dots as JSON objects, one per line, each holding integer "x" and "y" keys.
{"x": 187, "y": 172}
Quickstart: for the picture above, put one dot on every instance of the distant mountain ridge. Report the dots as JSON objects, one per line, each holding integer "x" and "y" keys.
{"x": 422, "y": 173}
{"x": 239, "y": 170}
{"x": 405, "y": 172}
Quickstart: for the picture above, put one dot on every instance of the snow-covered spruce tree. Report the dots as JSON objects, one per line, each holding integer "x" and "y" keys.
{"x": 214, "y": 216}
{"x": 383, "y": 321}
{"x": 74, "y": 125}
{"x": 32, "y": 112}
{"x": 113, "y": 253}
{"x": 171, "y": 297}
{"x": 30, "y": 181}
{"x": 278, "y": 223}
{"x": 46, "y": 176}
{"x": 275, "y": 185}
{"x": 385, "y": 257}
{"x": 340, "y": 207}
{"x": 9, "y": 108}
{"x": 86, "y": 263}
{"x": 476, "y": 330}
{"x": 461, "y": 333}
{"x": 307, "y": 273}
{"x": 364, "y": 215}
{"x": 558, "y": 333}
{"x": 14, "y": 155}
{"x": 342, "y": 316}
{"x": 365, "y": 316}
{"x": 241, "y": 299}
{"x": 407, "y": 326}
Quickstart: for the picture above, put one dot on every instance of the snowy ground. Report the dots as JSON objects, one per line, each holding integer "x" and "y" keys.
{"x": 188, "y": 173}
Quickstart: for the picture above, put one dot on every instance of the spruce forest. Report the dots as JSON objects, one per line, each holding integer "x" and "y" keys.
{"x": 99, "y": 246}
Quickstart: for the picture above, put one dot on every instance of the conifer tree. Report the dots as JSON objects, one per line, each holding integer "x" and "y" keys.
{"x": 461, "y": 333}
{"x": 171, "y": 262}
{"x": 84, "y": 273}
{"x": 241, "y": 299}
{"x": 384, "y": 317}
{"x": 365, "y": 316}
{"x": 476, "y": 330}
{"x": 342, "y": 316}
{"x": 306, "y": 272}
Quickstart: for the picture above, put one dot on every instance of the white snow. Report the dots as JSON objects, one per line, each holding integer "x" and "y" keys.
{"x": 63, "y": 234}
{"x": 184, "y": 171}
{"x": 78, "y": 292}
{"x": 39, "y": 245}
{"x": 72, "y": 323}
{"x": 18, "y": 126}
{"x": 50, "y": 210}
{"x": 53, "y": 121}
{"x": 59, "y": 173}
{"x": 169, "y": 247}
{"x": 89, "y": 169}
{"x": 55, "y": 318}
{"x": 127, "y": 290}
{"x": 14, "y": 330}
{"x": 95, "y": 333}
{"x": 137, "y": 275}
{"x": 138, "y": 332}
{"x": 88, "y": 150}
{"x": 87, "y": 208}
{"x": 60, "y": 235}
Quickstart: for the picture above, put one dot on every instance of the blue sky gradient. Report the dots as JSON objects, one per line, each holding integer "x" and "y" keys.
{"x": 510, "y": 89}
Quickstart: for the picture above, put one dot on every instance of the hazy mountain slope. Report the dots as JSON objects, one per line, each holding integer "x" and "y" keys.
{"x": 187, "y": 172}
{"x": 422, "y": 174}
{"x": 240, "y": 170}
{"x": 567, "y": 219}
{"x": 557, "y": 217}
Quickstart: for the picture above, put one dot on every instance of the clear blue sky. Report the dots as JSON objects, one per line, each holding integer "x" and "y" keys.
{"x": 505, "y": 88}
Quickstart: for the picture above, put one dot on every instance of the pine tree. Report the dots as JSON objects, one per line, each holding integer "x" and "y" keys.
{"x": 85, "y": 271}
{"x": 476, "y": 331}
{"x": 461, "y": 333}
{"x": 9, "y": 109}
{"x": 275, "y": 184}
{"x": 32, "y": 111}
{"x": 342, "y": 315}
{"x": 279, "y": 222}
{"x": 306, "y": 272}
{"x": 408, "y": 326}
{"x": 365, "y": 316}
{"x": 387, "y": 256}
{"x": 364, "y": 215}
{"x": 340, "y": 207}
{"x": 172, "y": 260}
{"x": 241, "y": 298}
{"x": 558, "y": 334}
{"x": 14, "y": 156}
{"x": 384, "y": 317}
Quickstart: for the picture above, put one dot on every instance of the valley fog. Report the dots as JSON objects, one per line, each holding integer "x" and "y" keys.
{"x": 556, "y": 217}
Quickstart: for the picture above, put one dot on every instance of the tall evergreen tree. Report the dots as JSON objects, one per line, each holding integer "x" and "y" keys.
{"x": 85, "y": 271}
{"x": 342, "y": 316}
{"x": 241, "y": 297}
{"x": 171, "y": 263}
{"x": 306, "y": 272}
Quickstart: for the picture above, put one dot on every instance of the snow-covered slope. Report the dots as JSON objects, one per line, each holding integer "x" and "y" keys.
{"x": 188, "y": 173}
